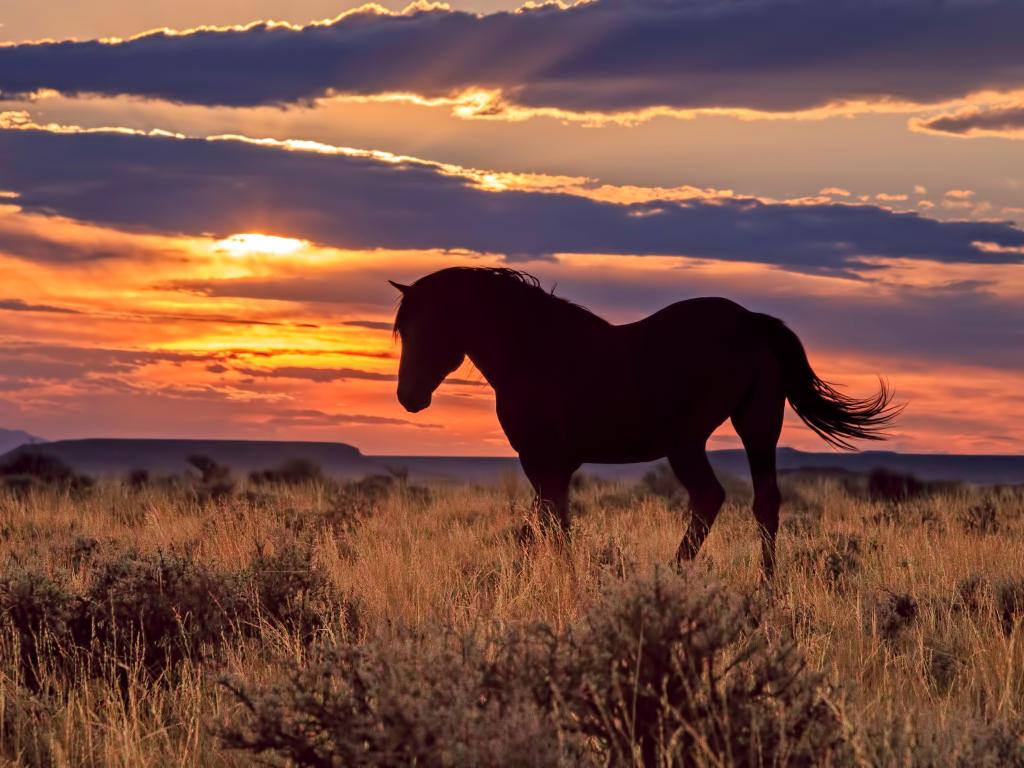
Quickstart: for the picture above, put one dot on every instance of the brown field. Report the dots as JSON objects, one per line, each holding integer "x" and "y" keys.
{"x": 161, "y": 624}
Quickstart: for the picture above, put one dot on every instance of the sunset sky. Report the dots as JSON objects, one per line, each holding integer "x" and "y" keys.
{"x": 200, "y": 209}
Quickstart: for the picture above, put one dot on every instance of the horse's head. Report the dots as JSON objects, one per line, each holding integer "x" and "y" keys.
{"x": 432, "y": 344}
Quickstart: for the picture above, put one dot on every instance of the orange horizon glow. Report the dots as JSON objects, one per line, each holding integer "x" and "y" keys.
{"x": 233, "y": 367}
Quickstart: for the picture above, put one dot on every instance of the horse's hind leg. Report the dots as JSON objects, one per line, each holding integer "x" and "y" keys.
{"x": 706, "y": 497}
{"x": 758, "y": 422}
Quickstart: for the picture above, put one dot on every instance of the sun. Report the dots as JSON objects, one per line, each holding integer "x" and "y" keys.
{"x": 251, "y": 244}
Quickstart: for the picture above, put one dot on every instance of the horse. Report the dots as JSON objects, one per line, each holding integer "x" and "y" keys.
{"x": 572, "y": 388}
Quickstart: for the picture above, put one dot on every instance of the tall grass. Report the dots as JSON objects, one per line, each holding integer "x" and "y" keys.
{"x": 153, "y": 624}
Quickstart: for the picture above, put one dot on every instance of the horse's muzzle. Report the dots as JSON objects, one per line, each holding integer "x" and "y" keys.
{"x": 414, "y": 403}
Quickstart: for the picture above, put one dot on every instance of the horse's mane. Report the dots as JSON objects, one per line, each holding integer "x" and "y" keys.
{"x": 504, "y": 272}
{"x": 508, "y": 282}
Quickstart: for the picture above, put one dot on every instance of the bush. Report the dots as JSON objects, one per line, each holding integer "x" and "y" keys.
{"x": 153, "y": 611}
{"x": 895, "y": 613}
{"x": 215, "y": 480}
{"x": 295, "y": 472}
{"x": 408, "y": 702}
{"x": 41, "y": 615}
{"x": 290, "y": 591}
{"x": 835, "y": 561}
{"x": 1009, "y": 602}
{"x": 665, "y": 671}
{"x": 26, "y": 725}
{"x": 31, "y": 469}
{"x": 376, "y": 488}
{"x": 82, "y": 550}
{"x": 165, "y": 605}
{"x": 673, "y": 670}
{"x": 661, "y": 481}
{"x": 885, "y": 485}
{"x": 137, "y": 479}
{"x": 912, "y": 741}
{"x": 981, "y": 519}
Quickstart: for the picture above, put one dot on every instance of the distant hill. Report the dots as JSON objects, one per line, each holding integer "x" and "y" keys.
{"x": 111, "y": 456}
{"x": 925, "y": 466}
{"x": 12, "y": 438}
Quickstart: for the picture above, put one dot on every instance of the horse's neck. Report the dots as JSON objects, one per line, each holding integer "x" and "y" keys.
{"x": 506, "y": 346}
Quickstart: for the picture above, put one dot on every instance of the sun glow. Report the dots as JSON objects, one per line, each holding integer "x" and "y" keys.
{"x": 249, "y": 244}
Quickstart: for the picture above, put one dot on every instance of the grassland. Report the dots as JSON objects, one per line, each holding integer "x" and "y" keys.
{"x": 206, "y": 622}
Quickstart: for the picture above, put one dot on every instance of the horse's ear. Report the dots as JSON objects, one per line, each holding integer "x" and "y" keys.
{"x": 401, "y": 288}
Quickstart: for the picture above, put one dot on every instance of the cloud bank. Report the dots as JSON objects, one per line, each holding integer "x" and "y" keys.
{"x": 1006, "y": 121}
{"x": 602, "y": 57}
{"x": 365, "y": 201}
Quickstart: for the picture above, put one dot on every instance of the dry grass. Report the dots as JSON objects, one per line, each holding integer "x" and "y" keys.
{"x": 912, "y": 611}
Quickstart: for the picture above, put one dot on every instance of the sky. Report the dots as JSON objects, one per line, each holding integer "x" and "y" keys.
{"x": 201, "y": 202}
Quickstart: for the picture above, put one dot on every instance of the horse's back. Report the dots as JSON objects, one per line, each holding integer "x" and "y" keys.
{"x": 700, "y": 323}
{"x": 701, "y": 309}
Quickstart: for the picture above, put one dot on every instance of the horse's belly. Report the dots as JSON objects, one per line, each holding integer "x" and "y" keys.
{"x": 624, "y": 438}
{"x": 649, "y": 425}
{"x": 623, "y": 453}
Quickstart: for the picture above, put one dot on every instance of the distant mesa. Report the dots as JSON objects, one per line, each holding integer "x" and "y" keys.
{"x": 12, "y": 438}
{"x": 118, "y": 457}
{"x": 108, "y": 456}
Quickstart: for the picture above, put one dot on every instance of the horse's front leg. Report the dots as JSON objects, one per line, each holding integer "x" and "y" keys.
{"x": 550, "y": 480}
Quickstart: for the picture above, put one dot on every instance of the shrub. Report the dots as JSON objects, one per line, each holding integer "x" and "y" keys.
{"x": 21, "y": 486}
{"x": 31, "y": 469}
{"x": 992, "y": 745}
{"x": 376, "y": 488}
{"x": 39, "y": 613}
{"x": 165, "y": 605}
{"x": 137, "y": 479}
{"x": 971, "y": 595}
{"x": 673, "y": 669}
{"x": 981, "y": 519}
{"x": 661, "y": 481}
{"x": 912, "y": 741}
{"x": 406, "y": 702}
{"x": 885, "y": 485}
{"x": 290, "y": 591}
{"x": 215, "y": 480}
{"x": 835, "y": 560}
{"x": 1009, "y": 602}
{"x": 294, "y": 472}
{"x": 155, "y": 610}
{"x": 667, "y": 671}
{"x": 895, "y": 613}
{"x": 942, "y": 662}
{"x": 26, "y": 729}
{"x": 82, "y": 550}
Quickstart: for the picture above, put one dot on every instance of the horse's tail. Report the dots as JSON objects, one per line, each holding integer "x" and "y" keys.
{"x": 837, "y": 418}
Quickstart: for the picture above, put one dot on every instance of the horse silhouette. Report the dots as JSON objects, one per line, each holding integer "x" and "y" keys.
{"x": 572, "y": 388}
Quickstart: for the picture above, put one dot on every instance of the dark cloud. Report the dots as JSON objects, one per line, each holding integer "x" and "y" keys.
{"x": 197, "y": 186}
{"x": 38, "y": 247}
{"x": 60, "y": 363}
{"x": 1007, "y": 120}
{"x": 325, "y": 375}
{"x": 319, "y": 375}
{"x": 294, "y": 417}
{"x": 373, "y": 325}
{"x": 17, "y": 305}
{"x": 607, "y": 56}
